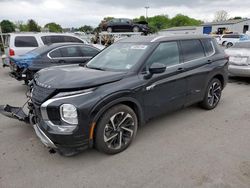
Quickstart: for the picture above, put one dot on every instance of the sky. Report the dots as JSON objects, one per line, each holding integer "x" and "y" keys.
{"x": 75, "y": 13}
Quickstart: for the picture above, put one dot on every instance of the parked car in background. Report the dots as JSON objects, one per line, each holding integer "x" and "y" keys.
{"x": 23, "y": 67}
{"x": 133, "y": 80}
{"x": 125, "y": 25}
{"x": 21, "y": 43}
{"x": 229, "y": 40}
{"x": 239, "y": 59}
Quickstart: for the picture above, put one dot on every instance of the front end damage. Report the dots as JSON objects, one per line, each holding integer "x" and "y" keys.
{"x": 29, "y": 118}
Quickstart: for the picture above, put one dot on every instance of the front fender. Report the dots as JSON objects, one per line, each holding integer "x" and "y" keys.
{"x": 114, "y": 99}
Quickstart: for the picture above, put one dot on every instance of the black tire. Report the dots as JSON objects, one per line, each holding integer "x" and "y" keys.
{"x": 109, "y": 29}
{"x": 229, "y": 45}
{"x": 136, "y": 29}
{"x": 112, "y": 138}
{"x": 212, "y": 95}
{"x": 224, "y": 43}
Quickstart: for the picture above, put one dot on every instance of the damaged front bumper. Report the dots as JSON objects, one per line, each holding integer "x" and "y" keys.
{"x": 42, "y": 136}
{"x": 14, "y": 112}
{"x": 19, "y": 114}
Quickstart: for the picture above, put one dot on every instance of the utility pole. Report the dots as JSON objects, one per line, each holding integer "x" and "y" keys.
{"x": 146, "y": 7}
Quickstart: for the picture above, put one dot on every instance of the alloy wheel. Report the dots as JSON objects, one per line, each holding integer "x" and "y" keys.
{"x": 119, "y": 131}
{"x": 214, "y": 94}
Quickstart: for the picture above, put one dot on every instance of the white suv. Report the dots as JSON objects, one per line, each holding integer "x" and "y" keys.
{"x": 21, "y": 43}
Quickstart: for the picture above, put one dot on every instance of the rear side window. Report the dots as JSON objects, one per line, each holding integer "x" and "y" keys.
{"x": 72, "y": 39}
{"x": 55, "y": 53}
{"x": 166, "y": 53}
{"x": 192, "y": 49}
{"x": 52, "y": 39}
{"x": 72, "y": 51}
{"x": 208, "y": 46}
{"x": 59, "y": 39}
{"x": 88, "y": 52}
{"x": 25, "y": 41}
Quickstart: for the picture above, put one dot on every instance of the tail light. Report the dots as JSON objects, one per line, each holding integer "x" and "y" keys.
{"x": 11, "y": 52}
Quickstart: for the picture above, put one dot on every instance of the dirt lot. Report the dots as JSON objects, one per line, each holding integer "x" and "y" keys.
{"x": 189, "y": 148}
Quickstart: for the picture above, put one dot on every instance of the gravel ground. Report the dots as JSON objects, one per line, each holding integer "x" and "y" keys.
{"x": 189, "y": 148}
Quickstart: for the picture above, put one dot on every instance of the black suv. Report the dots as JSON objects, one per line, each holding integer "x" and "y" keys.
{"x": 130, "y": 82}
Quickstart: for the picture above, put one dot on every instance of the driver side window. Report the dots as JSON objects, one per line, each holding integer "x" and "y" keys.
{"x": 166, "y": 53}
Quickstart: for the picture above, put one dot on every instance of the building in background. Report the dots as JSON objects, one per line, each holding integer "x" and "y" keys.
{"x": 229, "y": 26}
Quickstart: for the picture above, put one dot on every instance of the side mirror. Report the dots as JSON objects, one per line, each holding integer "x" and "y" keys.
{"x": 157, "y": 68}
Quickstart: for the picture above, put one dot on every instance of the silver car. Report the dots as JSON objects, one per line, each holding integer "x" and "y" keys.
{"x": 239, "y": 59}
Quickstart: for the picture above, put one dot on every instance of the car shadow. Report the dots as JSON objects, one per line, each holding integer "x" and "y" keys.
{"x": 239, "y": 80}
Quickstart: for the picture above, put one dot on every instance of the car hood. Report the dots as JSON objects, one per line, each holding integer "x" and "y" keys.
{"x": 69, "y": 77}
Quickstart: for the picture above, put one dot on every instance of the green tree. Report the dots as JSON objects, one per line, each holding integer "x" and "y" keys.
{"x": 182, "y": 20}
{"x": 33, "y": 26}
{"x": 86, "y": 28}
{"x": 7, "y": 26}
{"x": 53, "y": 27}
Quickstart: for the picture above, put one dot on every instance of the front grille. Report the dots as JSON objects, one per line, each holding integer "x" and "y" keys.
{"x": 41, "y": 94}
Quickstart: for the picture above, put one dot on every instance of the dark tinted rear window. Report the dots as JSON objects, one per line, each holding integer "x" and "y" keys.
{"x": 25, "y": 41}
{"x": 59, "y": 39}
{"x": 192, "y": 49}
{"x": 88, "y": 51}
{"x": 231, "y": 36}
{"x": 208, "y": 46}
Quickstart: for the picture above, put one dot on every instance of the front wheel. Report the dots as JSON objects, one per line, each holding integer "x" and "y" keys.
{"x": 213, "y": 94}
{"x": 136, "y": 29}
{"x": 116, "y": 129}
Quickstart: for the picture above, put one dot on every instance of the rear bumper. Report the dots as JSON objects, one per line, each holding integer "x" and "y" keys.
{"x": 235, "y": 70}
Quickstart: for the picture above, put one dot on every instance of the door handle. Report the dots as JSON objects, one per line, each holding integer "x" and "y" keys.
{"x": 181, "y": 69}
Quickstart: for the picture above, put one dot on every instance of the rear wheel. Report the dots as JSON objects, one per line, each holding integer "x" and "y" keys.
{"x": 213, "y": 94}
{"x": 109, "y": 29}
{"x": 116, "y": 129}
{"x": 229, "y": 45}
{"x": 136, "y": 29}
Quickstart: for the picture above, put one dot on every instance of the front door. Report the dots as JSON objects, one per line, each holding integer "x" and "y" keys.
{"x": 167, "y": 91}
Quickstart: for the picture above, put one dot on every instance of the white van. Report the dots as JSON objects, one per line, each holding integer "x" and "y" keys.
{"x": 21, "y": 43}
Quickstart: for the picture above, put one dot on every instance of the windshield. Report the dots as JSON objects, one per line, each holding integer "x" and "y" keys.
{"x": 37, "y": 51}
{"x": 242, "y": 45}
{"x": 119, "y": 57}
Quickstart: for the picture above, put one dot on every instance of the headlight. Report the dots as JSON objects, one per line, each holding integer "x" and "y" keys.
{"x": 68, "y": 114}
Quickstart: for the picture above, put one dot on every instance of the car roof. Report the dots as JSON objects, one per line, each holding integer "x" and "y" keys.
{"x": 41, "y": 34}
{"x": 161, "y": 38}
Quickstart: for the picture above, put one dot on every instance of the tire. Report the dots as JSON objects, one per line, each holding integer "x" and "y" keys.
{"x": 109, "y": 29}
{"x": 136, "y": 29}
{"x": 229, "y": 45}
{"x": 212, "y": 95}
{"x": 112, "y": 138}
{"x": 224, "y": 43}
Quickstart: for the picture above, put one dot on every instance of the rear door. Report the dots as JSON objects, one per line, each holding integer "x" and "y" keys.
{"x": 196, "y": 64}
{"x": 167, "y": 91}
{"x": 66, "y": 55}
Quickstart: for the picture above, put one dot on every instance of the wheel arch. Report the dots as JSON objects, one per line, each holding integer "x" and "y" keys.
{"x": 221, "y": 78}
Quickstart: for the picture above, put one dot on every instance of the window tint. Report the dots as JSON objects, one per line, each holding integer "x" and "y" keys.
{"x": 192, "y": 49}
{"x": 25, "y": 41}
{"x": 88, "y": 51}
{"x": 59, "y": 39}
{"x": 55, "y": 53}
{"x": 208, "y": 46}
{"x": 72, "y": 51}
{"x": 231, "y": 36}
{"x": 72, "y": 39}
{"x": 166, "y": 53}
